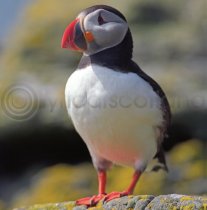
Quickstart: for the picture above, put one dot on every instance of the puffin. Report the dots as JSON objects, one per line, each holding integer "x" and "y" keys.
{"x": 119, "y": 111}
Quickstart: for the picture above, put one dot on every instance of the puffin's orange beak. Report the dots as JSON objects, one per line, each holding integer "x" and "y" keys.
{"x": 73, "y": 37}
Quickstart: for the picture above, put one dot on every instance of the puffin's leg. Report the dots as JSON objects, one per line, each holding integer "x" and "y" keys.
{"x": 92, "y": 201}
{"x": 102, "y": 182}
{"x": 128, "y": 191}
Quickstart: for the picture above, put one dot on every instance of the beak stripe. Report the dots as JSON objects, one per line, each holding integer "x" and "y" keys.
{"x": 79, "y": 38}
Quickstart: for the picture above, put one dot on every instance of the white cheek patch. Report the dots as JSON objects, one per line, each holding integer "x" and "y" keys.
{"x": 91, "y": 20}
{"x": 110, "y": 34}
{"x": 106, "y": 35}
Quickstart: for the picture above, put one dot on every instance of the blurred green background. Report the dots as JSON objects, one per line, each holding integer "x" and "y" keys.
{"x": 41, "y": 157}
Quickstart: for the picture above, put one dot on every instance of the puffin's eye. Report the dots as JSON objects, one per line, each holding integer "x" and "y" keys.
{"x": 101, "y": 21}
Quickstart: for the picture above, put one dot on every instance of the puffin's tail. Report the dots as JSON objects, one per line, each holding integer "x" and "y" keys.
{"x": 159, "y": 162}
{"x": 160, "y": 156}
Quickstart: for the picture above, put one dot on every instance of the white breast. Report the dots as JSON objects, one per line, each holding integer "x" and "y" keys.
{"x": 117, "y": 114}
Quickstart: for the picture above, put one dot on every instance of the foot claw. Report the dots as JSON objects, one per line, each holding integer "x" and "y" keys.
{"x": 90, "y": 201}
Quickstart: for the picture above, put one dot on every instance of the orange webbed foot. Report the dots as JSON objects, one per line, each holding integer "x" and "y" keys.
{"x": 114, "y": 195}
{"x": 90, "y": 201}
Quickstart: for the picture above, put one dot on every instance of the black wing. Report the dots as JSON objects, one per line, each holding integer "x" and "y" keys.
{"x": 166, "y": 116}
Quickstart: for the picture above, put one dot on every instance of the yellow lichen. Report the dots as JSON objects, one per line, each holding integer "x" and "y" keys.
{"x": 70, "y": 205}
{"x": 186, "y": 198}
{"x": 96, "y": 208}
{"x": 144, "y": 197}
{"x": 188, "y": 207}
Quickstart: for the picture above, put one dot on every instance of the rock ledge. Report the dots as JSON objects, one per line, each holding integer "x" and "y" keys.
{"x": 140, "y": 202}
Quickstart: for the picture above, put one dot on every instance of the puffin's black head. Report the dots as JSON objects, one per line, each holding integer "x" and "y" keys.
{"x": 96, "y": 29}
